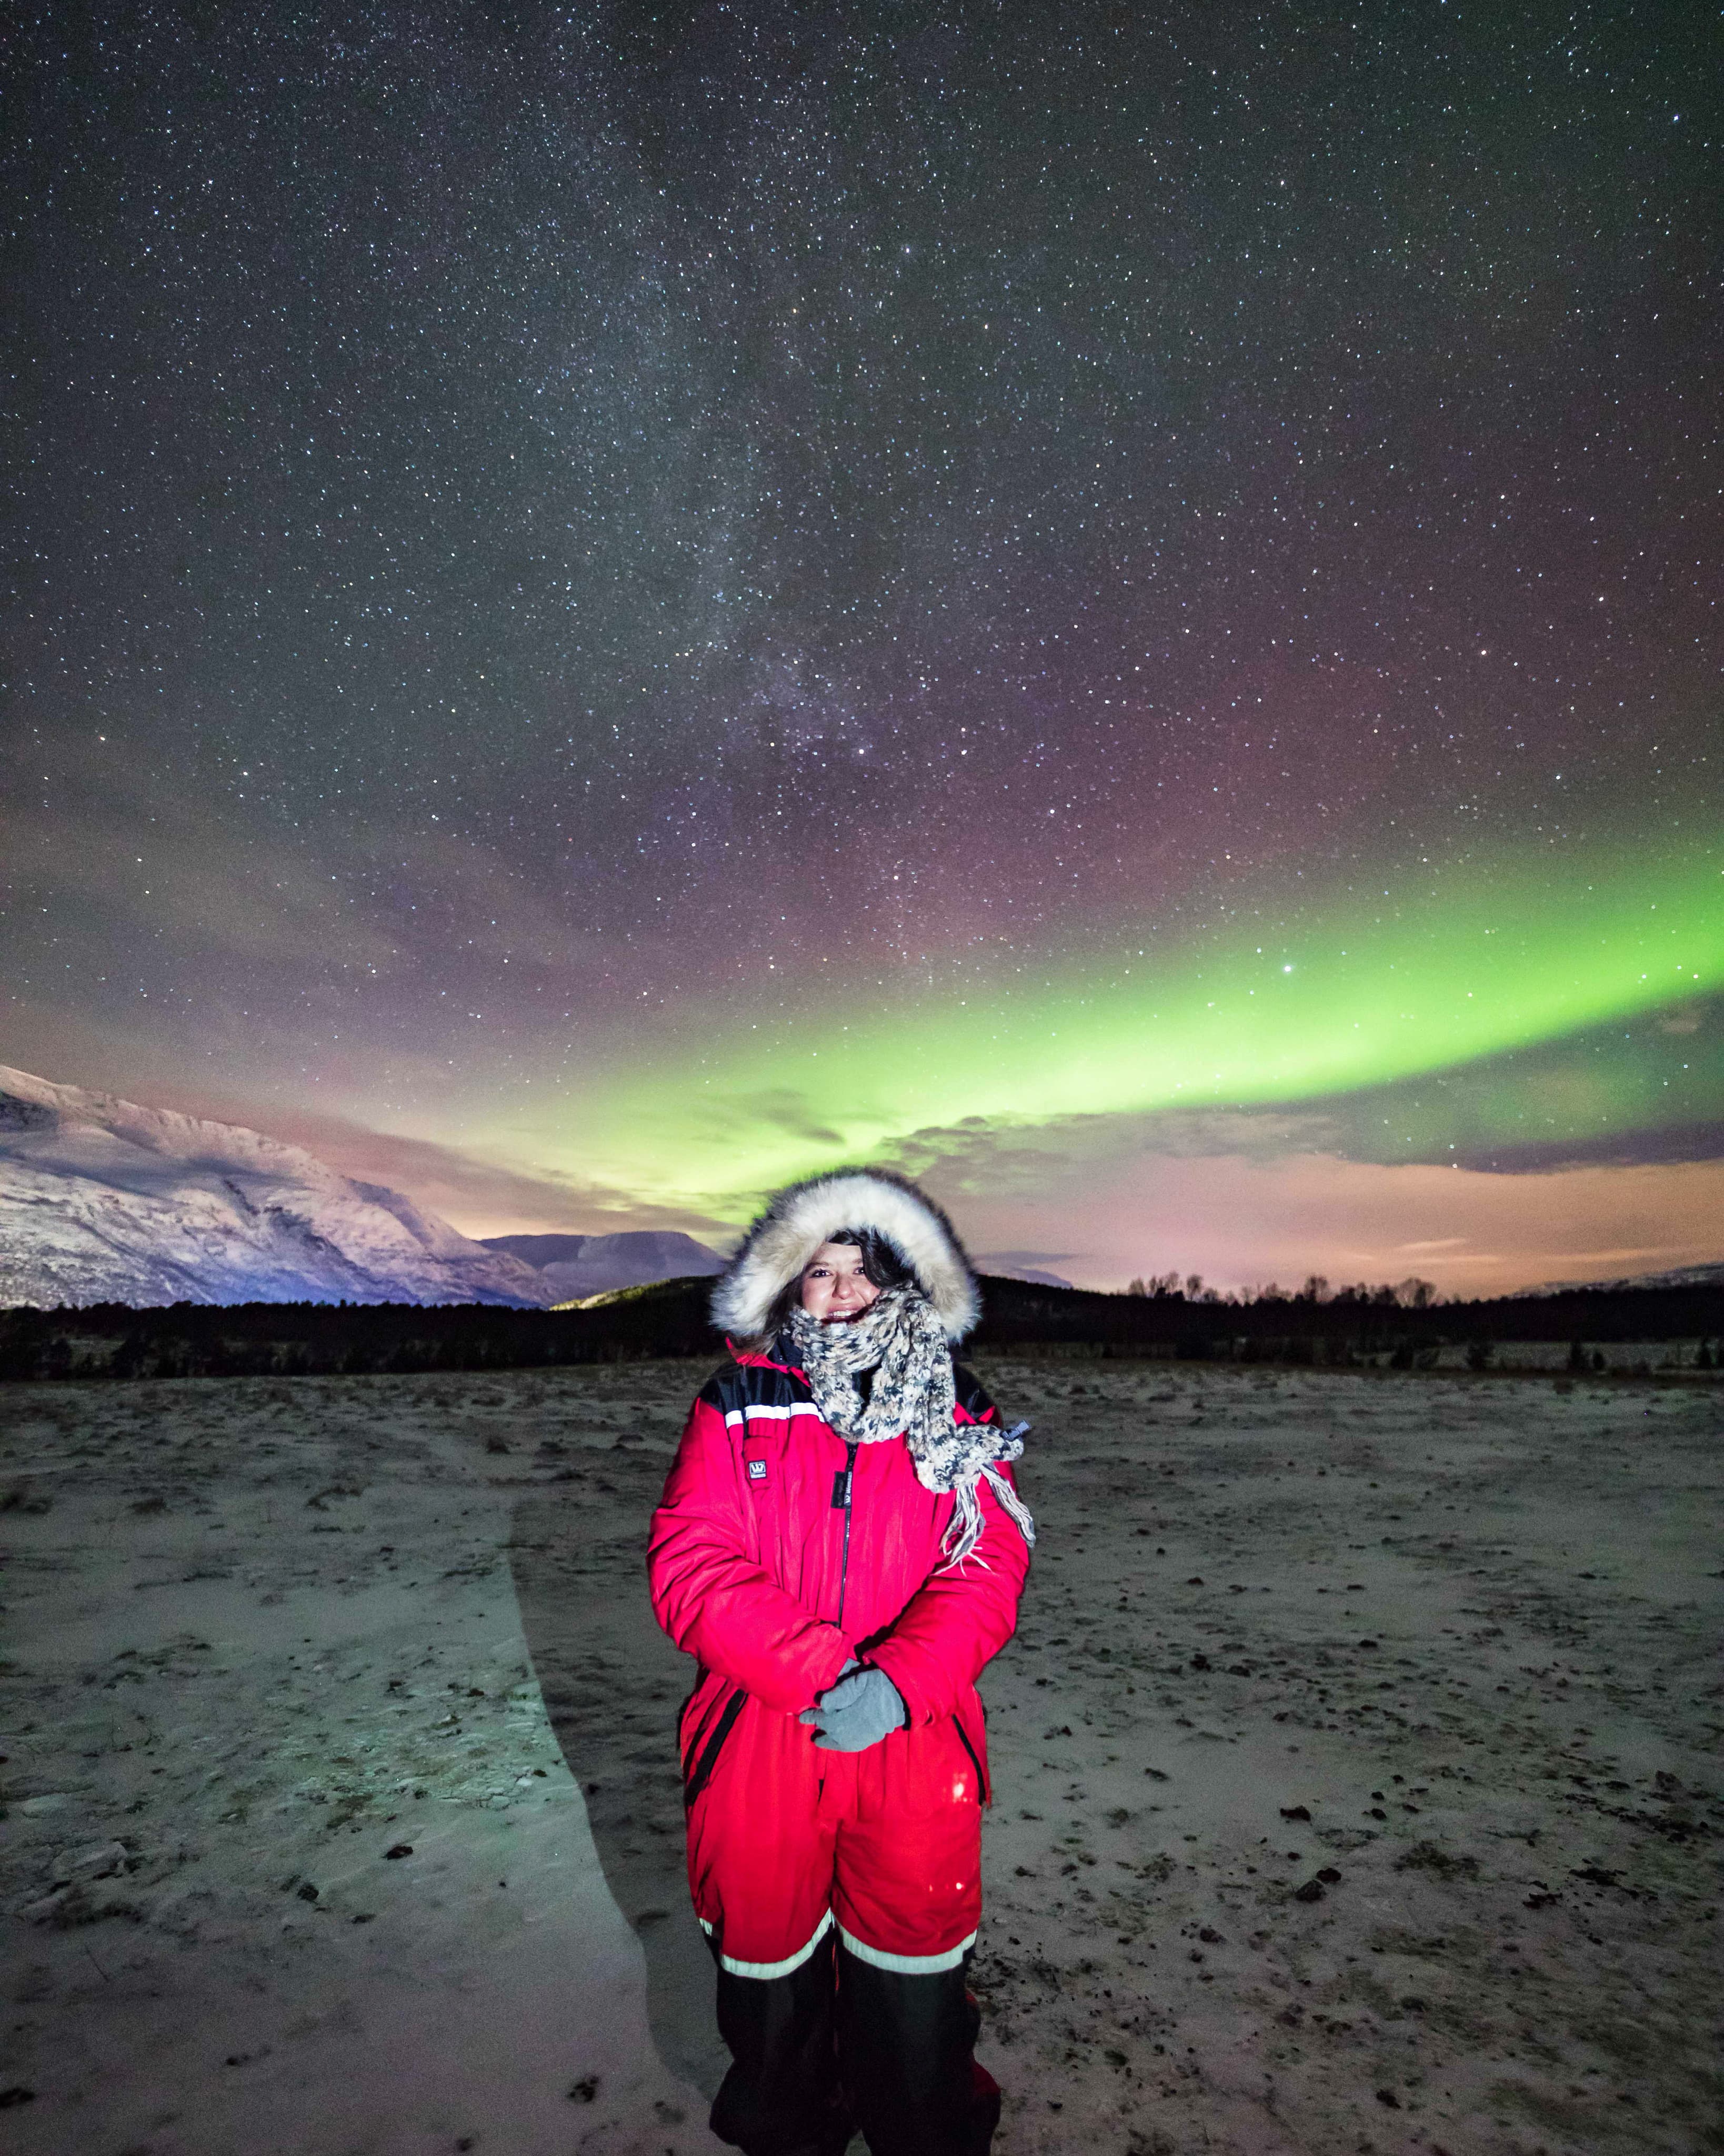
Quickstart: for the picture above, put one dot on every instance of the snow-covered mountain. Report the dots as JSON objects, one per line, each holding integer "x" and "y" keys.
{"x": 1705, "y": 1275}
{"x": 1034, "y": 1275}
{"x": 1711, "y": 1276}
{"x": 104, "y": 1201}
{"x": 579, "y": 1265}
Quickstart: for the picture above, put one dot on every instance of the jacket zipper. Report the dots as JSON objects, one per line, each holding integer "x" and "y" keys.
{"x": 842, "y": 1484}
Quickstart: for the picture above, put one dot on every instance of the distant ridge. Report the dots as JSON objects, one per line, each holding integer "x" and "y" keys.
{"x": 1710, "y": 1276}
{"x": 1031, "y": 1275}
{"x": 578, "y": 1266}
{"x": 538, "y": 1250}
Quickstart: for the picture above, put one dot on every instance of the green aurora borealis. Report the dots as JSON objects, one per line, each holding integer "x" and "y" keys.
{"x": 1359, "y": 996}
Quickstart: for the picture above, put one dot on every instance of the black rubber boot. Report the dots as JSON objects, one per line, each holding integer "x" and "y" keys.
{"x": 781, "y": 2097}
{"x": 907, "y": 2046}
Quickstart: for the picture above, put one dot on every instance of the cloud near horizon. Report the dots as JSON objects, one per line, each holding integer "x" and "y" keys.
{"x": 483, "y": 1197}
{"x": 1244, "y": 1221}
{"x": 1242, "y": 1199}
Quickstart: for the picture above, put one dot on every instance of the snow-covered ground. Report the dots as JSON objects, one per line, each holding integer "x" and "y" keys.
{"x": 1355, "y": 1768}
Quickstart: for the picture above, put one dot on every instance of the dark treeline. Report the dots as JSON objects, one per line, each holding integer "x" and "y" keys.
{"x": 112, "y": 1340}
{"x": 1353, "y": 1325}
{"x": 313, "y": 1339}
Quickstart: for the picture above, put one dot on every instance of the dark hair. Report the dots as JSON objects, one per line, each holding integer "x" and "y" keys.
{"x": 882, "y": 1263}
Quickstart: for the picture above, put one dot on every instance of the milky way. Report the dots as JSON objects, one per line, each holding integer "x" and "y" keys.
{"x": 576, "y": 563}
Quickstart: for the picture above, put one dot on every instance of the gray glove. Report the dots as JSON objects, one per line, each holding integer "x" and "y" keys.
{"x": 857, "y": 1712}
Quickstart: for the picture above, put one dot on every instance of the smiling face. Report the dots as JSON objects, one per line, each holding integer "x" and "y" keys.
{"x": 834, "y": 1288}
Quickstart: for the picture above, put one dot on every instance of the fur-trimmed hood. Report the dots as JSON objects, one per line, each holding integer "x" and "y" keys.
{"x": 803, "y": 1214}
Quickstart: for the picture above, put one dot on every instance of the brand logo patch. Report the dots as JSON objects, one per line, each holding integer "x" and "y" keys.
{"x": 757, "y": 1471}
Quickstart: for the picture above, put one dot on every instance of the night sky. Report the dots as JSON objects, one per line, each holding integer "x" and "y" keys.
{"x": 1116, "y": 605}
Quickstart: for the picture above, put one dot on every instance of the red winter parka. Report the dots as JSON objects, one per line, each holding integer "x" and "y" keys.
{"x": 780, "y": 1550}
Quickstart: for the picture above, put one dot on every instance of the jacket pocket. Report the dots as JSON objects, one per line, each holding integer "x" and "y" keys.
{"x": 696, "y": 1775}
{"x": 984, "y": 1791}
{"x": 685, "y": 1743}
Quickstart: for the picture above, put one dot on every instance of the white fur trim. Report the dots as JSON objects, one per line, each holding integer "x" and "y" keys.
{"x": 801, "y": 1216}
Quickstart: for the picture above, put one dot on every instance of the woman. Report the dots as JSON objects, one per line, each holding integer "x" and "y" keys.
{"x": 841, "y": 1546}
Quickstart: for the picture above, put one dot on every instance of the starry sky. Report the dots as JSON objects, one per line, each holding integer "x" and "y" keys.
{"x": 1118, "y": 606}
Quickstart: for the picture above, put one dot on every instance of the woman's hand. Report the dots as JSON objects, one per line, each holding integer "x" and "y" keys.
{"x": 857, "y": 1712}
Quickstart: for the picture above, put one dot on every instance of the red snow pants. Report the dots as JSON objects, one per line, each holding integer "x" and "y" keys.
{"x": 841, "y": 1893}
